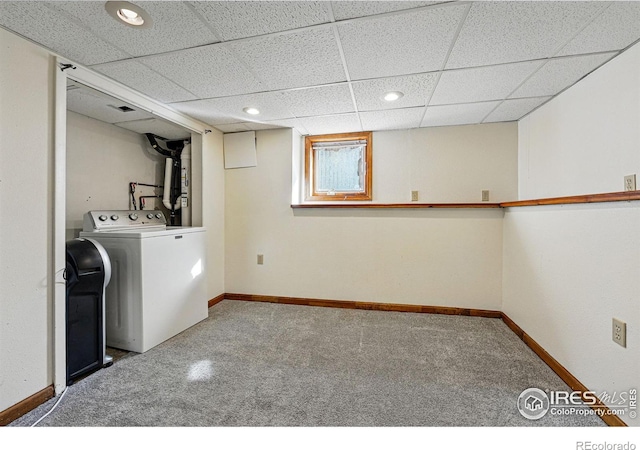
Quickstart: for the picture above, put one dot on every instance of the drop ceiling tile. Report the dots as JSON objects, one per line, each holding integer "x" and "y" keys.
{"x": 515, "y": 109}
{"x": 226, "y": 110}
{"x": 392, "y": 119}
{"x": 102, "y": 107}
{"x": 35, "y": 21}
{"x": 232, "y": 127}
{"x": 139, "y": 77}
{"x": 399, "y": 44}
{"x": 209, "y": 71}
{"x": 350, "y": 9}
{"x": 204, "y": 111}
{"x": 175, "y": 26}
{"x": 501, "y": 32}
{"x": 156, "y": 126}
{"x": 616, "y": 28}
{"x": 481, "y": 84}
{"x": 238, "y": 19}
{"x": 437, "y": 116}
{"x": 342, "y": 123}
{"x": 416, "y": 89}
{"x": 318, "y": 101}
{"x": 559, "y": 73}
{"x": 297, "y": 59}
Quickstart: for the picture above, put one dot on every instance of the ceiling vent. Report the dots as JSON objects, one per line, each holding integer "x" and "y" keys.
{"x": 122, "y": 108}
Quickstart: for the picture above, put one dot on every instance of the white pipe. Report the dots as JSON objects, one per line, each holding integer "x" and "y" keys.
{"x": 166, "y": 197}
{"x": 186, "y": 184}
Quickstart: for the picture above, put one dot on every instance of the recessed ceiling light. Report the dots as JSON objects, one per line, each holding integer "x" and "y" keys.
{"x": 393, "y": 96}
{"x": 129, "y": 14}
{"x": 252, "y": 111}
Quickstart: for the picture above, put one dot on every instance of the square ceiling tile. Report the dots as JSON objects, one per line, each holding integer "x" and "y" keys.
{"x": 156, "y": 126}
{"x": 139, "y": 77}
{"x": 210, "y": 71}
{"x": 94, "y": 104}
{"x": 437, "y": 116}
{"x": 348, "y": 9}
{"x": 232, "y": 127}
{"x": 230, "y": 109}
{"x": 392, "y": 119}
{"x": 319, "y": 101}
{"x": 616, "y": 28}
{"x": 297, "y": 59}
{"x": 54, "y": 30}
{"x": 238, "y": 19}
{"x": 559, "y": 73}
{"x": 482, "y": 83}
{"x": 515, "y": 109}
{"x": 416, "y": 89}
{"x": 400, "y": 44}
{"x": 342, "y": 123}
{"x": 501, "y": 32}
{"x": 175, "y": 26}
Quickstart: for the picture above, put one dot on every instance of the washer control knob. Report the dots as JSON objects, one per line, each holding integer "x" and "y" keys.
{"x": 133, "y": 216}
{"x": 158, "y": 216}
{"x": 102, "y": 218}
{"x": 114, "y": 217}
{"x": 149, "y": 216}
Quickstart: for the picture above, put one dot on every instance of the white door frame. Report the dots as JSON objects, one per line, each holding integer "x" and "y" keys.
{"x": 68, "y": 69}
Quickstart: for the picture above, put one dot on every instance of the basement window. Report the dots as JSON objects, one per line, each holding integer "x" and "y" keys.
{"x": 338, "y": 167}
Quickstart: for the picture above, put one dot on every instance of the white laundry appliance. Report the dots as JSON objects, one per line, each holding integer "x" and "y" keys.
{"x": 157, "y": 287}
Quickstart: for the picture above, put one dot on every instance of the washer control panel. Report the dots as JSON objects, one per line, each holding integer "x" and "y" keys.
{"x": 109, "y": 220}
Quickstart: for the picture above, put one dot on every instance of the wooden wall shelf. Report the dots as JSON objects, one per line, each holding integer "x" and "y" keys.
{"x": 577, "y": 199}
{"x": 396, "y": 205}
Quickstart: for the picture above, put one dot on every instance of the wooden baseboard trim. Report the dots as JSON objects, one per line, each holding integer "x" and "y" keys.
{"x": 20, "y": 409}
{"x": 215, "y": 300}
{"x": 562, "y": 372}
{"x": 366, "y": 305}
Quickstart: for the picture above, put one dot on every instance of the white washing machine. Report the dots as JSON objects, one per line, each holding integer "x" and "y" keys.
{"x": 157, "y": 287}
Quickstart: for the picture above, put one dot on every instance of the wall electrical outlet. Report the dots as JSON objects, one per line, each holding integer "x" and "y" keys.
{"x": 619, "y": 332}
{"x": 260, "y": 259}
{"x": 485, "y": 196}
{"x": 630, "y": 182}
{"x": 414, "y": 196}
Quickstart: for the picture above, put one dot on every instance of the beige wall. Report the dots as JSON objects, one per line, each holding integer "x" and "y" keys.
{"x": 101, "y": 161}
{"x": 26, "y": 174}
{"x": 430, "y": 257}
{"x": 568, "y": 270}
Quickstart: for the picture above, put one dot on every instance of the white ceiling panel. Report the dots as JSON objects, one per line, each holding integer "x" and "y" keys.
{"x": 210, "y": 71}
{"x": 481, "y": 84}
{"x": 233, "y": 127}
{"x": 139, "y": 77}
{"x": 616, "y": 28}
{"x": 102, "y": 107}
{"x": 343, "y": 123}
{"x": 204, "y": 111}
{"x": 296, "y": 59}
{"x": 156, "y": 126}
{"x": 238, "y": 19}
{"x": 416, "y": 89}
{"x": 174, "y": 27}
{"x": 400, "y": 44}
{"x": 350, "y": 9}
{"x": 392, "y": 119}
{"x": 230, "y": 109}
{"x": 559, "y": 73}
{"x": 514, "y": 109}
{"x": 500, "y": 32}
{"x": 437, "y": 116}
{"x": 57, "y": 32}
{"x": 319, "y": 101}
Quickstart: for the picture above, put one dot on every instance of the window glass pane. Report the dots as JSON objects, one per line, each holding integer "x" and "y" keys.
{"x": 338, "y": 168}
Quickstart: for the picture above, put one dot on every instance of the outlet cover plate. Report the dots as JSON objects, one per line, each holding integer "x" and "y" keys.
{"x": 630, "y": 182}
{"x": 619, "y": 332}
{"x": 485, "y": 196}
{"x": 414, "y": 196}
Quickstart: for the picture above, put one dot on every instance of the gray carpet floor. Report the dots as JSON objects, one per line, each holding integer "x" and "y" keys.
{"x": 262, "y": 364}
